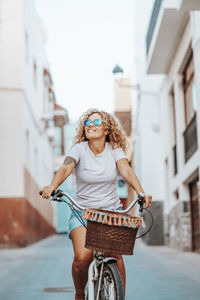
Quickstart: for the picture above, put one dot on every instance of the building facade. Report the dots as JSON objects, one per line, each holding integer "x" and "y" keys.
{"x": 65, "y": 132}
{"x": 147, "y": 126}
{"x": 172, "y": 49}
{"x": 26, "y": 126}
{"x": 123, "y": 112}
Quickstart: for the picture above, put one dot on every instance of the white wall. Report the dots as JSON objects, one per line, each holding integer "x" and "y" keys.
{"x": 11, "y": 171}
{"x": 191, "y": 36}
{"x": 32, "y": 28}
{"x": 148, "y": 158}
{"x": 10, "y": 43}
{"x": 22, "y": 102}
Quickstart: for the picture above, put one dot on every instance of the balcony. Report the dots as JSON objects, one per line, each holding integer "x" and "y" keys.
{"x": 152, "y": 24}
{"x": 187, "y": 5}
{"x": 168, "y": 21}
{"x": 190, "y": 139}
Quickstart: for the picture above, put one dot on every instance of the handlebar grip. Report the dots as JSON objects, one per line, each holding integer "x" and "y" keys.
{"x": 52, "y": 194}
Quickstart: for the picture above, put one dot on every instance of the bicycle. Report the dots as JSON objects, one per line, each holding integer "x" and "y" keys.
{"x": 104, "y": 279}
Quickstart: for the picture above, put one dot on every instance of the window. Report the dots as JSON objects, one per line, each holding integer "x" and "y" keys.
{"x": 27, "y": 148}
{"x": 26, "y": 47}
{"x": 190, "y": 98}
{"x": 36, "y": 161}
{"x": 176, "y": 194}
{"x": 58, "y": 140}
{"x": 34, "y": 74}
{"x": 173, "y": 118}
{"x": 190, "y": 105}
{"x": 173, "y": 113}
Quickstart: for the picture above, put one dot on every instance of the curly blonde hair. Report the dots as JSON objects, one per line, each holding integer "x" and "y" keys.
{"x": 116, "y": 136}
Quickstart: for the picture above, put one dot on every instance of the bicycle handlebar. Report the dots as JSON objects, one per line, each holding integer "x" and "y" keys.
{"x": 57, "y": 196}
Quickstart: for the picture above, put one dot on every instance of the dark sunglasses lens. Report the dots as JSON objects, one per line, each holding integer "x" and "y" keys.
{"x": 87, "y": 122}
{"x": 97, "y": 122}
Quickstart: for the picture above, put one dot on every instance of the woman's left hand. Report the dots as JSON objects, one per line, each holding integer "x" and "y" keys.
{"x": 147, "y": 200}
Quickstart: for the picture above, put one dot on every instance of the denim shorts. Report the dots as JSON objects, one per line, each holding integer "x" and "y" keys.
{"x": 74, "y": 222}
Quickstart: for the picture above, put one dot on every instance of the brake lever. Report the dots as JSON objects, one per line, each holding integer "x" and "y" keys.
{"x": 56, "y": 199}
{"x": 140, "y": 202}
{"x": 58, "y": 193}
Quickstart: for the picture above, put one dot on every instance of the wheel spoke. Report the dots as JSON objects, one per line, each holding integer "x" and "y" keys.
{"x": 108, "y": 287}
{"x": 111, "y": 285}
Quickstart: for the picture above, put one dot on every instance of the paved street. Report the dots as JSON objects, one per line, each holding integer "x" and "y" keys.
{"x": 43, "y": 271}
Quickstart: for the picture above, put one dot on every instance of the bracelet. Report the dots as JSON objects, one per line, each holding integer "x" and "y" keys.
{"x": 141, "y": 194}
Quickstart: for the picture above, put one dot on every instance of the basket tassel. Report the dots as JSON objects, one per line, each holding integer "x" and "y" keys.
{"x": 143, "y": 225}
{"x": 109, "y": 220}
{"x": 100, "y": 218}
{"x": 95, "y": 217}
{"x": 84, "y": 214}
{"x": 104, "y": 219}
{"x": 92, "y": 217}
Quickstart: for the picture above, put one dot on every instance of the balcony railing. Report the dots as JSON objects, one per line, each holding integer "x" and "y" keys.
{"x": 190, "y": 139}
{"x": 175, "y": 159}
{"x": 152, "y": 24}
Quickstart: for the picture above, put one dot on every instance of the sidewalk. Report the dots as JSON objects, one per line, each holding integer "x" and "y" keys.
{"x": 187, "y": 263}
{"x": 43, "y": 271}
{"x": 159, "y": 272}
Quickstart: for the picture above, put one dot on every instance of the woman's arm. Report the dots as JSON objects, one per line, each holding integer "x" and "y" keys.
{"x": 129, "y": 175}
{"x": 63, "y": 172}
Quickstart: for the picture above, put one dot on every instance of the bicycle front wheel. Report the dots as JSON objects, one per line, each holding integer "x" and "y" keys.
{"x": 111, "y": 287}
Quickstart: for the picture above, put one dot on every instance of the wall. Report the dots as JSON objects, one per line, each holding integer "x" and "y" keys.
{"x": 27, "y": 151}
{"x": 148, "y": 162}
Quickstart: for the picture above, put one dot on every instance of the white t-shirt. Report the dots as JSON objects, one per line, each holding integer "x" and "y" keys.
{"x": 96, "y": 176}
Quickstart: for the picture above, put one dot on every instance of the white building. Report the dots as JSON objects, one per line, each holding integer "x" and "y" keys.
{"x": 123, "y": 112}
{"x": 172, "y": 49}
{"x": 26, "y": 125}
{"x": 146, "y": 119}
{"x": 69, "y": 185}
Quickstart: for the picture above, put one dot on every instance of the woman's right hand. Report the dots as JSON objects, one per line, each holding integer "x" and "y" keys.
{"x": 47, "y": 191}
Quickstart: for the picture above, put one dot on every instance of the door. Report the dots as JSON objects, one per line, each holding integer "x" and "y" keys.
{"x": 195, "y": 216}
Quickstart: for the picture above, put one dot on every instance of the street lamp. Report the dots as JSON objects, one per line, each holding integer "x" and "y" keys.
{"x": 137, "y": 87}
{"x": 118, "y": 70}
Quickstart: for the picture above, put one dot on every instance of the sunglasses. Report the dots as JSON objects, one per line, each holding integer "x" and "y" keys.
{"x": 96, "y": 122}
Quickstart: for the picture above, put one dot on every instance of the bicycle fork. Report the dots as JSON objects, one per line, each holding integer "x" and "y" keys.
{"x": 100, "y": 277}
{"x": 94, "y": 273}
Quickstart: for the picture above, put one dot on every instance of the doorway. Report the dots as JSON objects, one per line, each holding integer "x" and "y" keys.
{"x": 195, "y": 215}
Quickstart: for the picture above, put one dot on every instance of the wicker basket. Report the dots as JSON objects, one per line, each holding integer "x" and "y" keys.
{"x": 111, "y": 232}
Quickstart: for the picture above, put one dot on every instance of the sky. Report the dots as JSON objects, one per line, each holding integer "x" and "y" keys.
{"x": 85, "y": 40}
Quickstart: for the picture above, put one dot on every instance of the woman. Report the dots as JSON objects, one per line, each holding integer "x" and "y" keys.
{"x": 97, "y": 154}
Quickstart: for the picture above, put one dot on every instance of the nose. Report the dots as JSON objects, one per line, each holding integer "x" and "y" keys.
{"x": 91, "y": 124}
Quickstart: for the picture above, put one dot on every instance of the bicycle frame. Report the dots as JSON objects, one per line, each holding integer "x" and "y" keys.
{"x": 93, "y": 273}
{"x": 99, "y": 259}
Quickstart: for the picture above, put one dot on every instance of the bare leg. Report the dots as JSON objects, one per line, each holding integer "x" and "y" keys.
{"x": 82, "y": 260}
